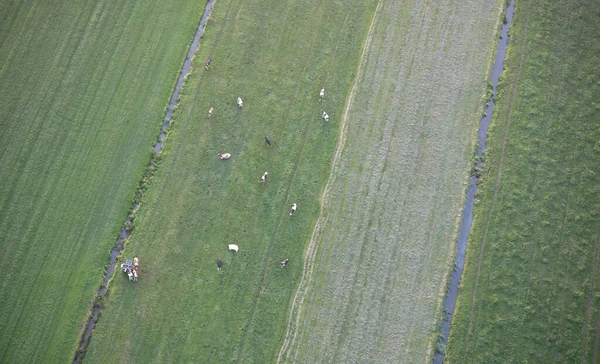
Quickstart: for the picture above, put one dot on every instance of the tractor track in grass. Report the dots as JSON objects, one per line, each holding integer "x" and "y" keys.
{"x": 589, "y": 308}
{"x": 497, "y": 182}
{"x": 309, "y": 260}
{"x": 289, "y": 185}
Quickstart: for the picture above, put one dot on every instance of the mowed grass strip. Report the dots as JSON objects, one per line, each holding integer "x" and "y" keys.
{"x": 276, "y": 56}
{"x": 390, "y": 223}
{"x": 83, "y": 87}
{"x": 537, "y": 292}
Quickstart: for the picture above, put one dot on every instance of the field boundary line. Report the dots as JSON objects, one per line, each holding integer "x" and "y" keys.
{"x": 295, "y": 312}
{"x": 497, "y": 182}
{"x": 589, "y": 307}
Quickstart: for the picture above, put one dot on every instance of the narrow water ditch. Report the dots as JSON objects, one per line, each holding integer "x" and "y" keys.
{"x": 467, "y": 216}
{"x": 127, "y": 226}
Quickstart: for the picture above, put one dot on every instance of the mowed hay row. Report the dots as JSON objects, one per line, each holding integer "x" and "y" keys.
{"x": 276, "y": 56}
{"x": 389, "y": 226}
{"x": 530, "y": 289}
{"x": 83, "y": 87}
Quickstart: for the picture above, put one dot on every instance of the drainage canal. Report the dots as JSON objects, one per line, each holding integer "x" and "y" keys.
{"x": 125, "y": 231}
{"x": 467, "y": 218}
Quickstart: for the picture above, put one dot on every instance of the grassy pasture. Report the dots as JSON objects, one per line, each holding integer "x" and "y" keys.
{"x": 275, "y": 55}
{"x": 385, "y": 242}
{"x": 530, "y": 290}
{"x": 83, "y": 87}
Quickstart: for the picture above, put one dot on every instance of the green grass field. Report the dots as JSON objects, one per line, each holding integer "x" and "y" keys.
{"x": 83, "y": 88}
{"x": 276, "y": 56}
{"x": 383, "y": 247}
{"x": 530, "y": 292}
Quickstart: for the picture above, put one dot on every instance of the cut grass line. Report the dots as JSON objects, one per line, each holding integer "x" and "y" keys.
{"x": 589, "y": 307}
{"x": 294, "y": 318}
{"x": 497, "y": 182}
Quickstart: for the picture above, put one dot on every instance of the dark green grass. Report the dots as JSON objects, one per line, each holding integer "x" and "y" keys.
{"x": 537, "y": 297}
{"x": 276, "y": 56}
{"x": 83, "y": 87}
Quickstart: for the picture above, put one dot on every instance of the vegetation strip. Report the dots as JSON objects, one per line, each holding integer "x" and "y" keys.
{"x": 497, "y": 181}
{"x": 381, "y": 251}
{"x": 128, "y": 226}
{"x": 309, "y": 257}
{"x": 467, "y": 215}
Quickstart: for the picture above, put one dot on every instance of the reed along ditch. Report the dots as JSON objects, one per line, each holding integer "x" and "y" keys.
{"x": 467, "y": 216}
{"x": 127, "y": 226}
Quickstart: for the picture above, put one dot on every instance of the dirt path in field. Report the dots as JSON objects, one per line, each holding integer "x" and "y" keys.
{"x": 497, "y": 182}
{"x": 309, "y": 259}
{"x": 119, "y": 244}
{"x": 589, "y": 308}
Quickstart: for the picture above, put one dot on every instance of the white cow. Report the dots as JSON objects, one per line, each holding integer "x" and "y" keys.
{"x": 325, "y": 116}
{"x": 240, "y": 102}
{"x": 321, "y": 94}
{"x": 264, "y": 177}
{"x": 134, "y": 275}
{"x": 224, "y": 155}
{"x": 233, "y": 247}
{"x": 293, "y": 209}
{"x": 136, "y": 262}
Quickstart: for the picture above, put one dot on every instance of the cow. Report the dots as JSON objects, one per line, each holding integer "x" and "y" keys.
{"x": 264, "y": 177}
{"x": 267, "y": 140}
{"x": 321, "y": 94}
{"x": 210, "y": 112}
{"x": 219, "y": 264}
{"x": 224, "y": 155}
{"x": 293, "y": 209}
{"x": 240, "y": 103}
{"x": 207, "y": 64}
{"x": 325, "y": 116}
{"x": 284, "y": 263}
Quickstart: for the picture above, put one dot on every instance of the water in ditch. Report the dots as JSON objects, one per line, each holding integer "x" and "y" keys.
{"x": 467, "y": 217}
{"x": 119, "y": 244}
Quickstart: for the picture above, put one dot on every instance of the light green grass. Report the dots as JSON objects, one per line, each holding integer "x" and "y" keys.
{"x": 83, "y": 87}
{"x": 537, "y": 296}
{"x": 275, "y": 55}
{"x": 388, "y": 229}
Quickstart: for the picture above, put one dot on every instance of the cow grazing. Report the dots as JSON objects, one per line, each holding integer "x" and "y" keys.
{"x": 325, "y": 116}
{"x": 240, "y": 103}
{"x": 267, "y": 140}
{"x": 134, "y": 275}
{"x": 321, "y": 94}
{"x": 219, "y": 264}
{"x": 284, "y": 263}
{"x": 264, "y": 177}
{"x": 293, "y": 209}
{"x": 224, "y": 155}
{"x": 210, "y": 111}
{"x": 207, "y": 64}
{"x": 136, "y": 263}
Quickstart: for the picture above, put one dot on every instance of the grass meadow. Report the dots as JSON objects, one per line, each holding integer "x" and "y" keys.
{"x": 276, "y": 56}
{"x": 384, "y": 243}
{"x": 530, "y": 291}
{"x": 83, "y": 88}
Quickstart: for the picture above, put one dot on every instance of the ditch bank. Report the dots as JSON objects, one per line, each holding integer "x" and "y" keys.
{"x": 128, "y": 225}
{"x": 467, "y": 216}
